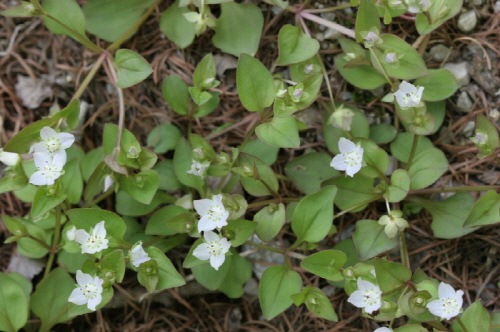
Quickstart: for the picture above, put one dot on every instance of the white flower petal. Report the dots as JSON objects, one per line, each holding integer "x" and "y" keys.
{"x": 217, "y": 261}
{"x": 205, "y": 224}
{"x": 67, "y": 140}
{"x": 338, "y": 163}
{"x": 94, "y": 302}
{"x": 346, "y": 145}
{"x": 202, "y": 206}
{"x": 81, "y": 236}
{"x": 38, "y": 179}
{"x": 77, "y": 297}
{"x": 99, "y": 229}
{"x": 202, "y": 252}
{"x": 211, "y": 236}
{"x": 47, "y": 133}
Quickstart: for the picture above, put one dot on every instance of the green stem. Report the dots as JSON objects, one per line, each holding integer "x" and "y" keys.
{"x": 153, "y": 240}
{"x": 45, "y": 245}
{"x": 248, "y": 136}
{"x": 462, "y": 324}
{"x": 326, "y": 10}
{"x": 327, "y": 23}
{"x": 403, "y": 250}
{"x": 270, "y": 201}
{"x": 265, "y": 247}
{"x": 452, "y": 189}
{"x": 130, "y": 31}
{"x": 121, "y": 103}
{"x": 98, "y": 198}
{"x": 55, "y": 242}
{"x": 375, "y": 58}
{"x": 413, "y": 150}
{"x": 81, "y": 39}
{"x": 90, "y": 75}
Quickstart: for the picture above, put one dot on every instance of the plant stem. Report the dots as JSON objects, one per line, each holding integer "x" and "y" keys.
{"x": 375, "y": 58}
{"x": 356, "y": 206}
{"x": 121, "y": 103}
{"x": 403, "y": 250}
{"x": 265, "y": 247}
{"x": 45, "y": 245}
{"x": 452, "y": 189}
{"x": 462, "y": 324}
{"x": 327, "y": 23}
{"x": 81, "y": 39}
{"x": 270, "y": 201}
{"x": 153, "y": 240}
{"x": 412, "y": 153}
{"x": 326, "y": 10}
{"x": 98, "y": 199}
{"x": 130, "y": 31}
{"x": 90, "y": 75}
{"x": 55, "y": 242}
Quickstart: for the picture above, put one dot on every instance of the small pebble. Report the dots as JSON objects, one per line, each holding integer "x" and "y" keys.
{"x": 459, "y": 70}
{"x": 497, "y": 7}
{"x": 467, "y": 21}
{"x": 439, "y": 52}
{"x": 464, "y": 103}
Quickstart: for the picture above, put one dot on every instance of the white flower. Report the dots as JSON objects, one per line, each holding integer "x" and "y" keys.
{"x": 383, "y": 329}
{"x": 391, "y": 57}
{"x": 50, "y": 167}
{"x": 425, "y": 4}
{"x": 449, "y": 303}
{"x": 393, "y": 3}
{"x": 371, "y": 37}
{"x": 71, "y": 233}
{"x": 52, "y": 141}
{"x": 342, "y": 118}
{"x": 350, "y": 158}
{"x": 408, "y": 95}
{"x": 214, "y": 249}
{"x": 393, "y": 223}
{"x": 94, "y": 241}
{"x": 88, "y": 290}
{"x": 368, "y": 296}
{"x": 9, "y": 158}
{"x": 213, "y": 213}
{"x": 108, "y": 182}
{"x": 138, "y": 255}
{"x": 198, "y": 168}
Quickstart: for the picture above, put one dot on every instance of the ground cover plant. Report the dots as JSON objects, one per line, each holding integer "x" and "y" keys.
{"x": 199, "y": 159}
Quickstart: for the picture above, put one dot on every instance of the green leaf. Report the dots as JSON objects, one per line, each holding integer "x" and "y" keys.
{"x": 50, "y": 299}
{"x": 13, "y": 179}
{"x": 131, "y": 68}
{"x": 448, "y": 216}
{"x": 238, "y": 28}
{"x": 391, "y": 275}
{"x": 352, "y": 191}
{"x": 255, "y": 84}
{"x": 69, "y": 13}
{"x": 90, "y": 162}
{"x": 110, "y": 19}
{"x": 168, "y": 275}
{"x": 366, "y": 18}
{"x": 382, "y": 133}
{"x": 438, "y": 14}
{"x": 270, "y": 220}
{"x": 209, "y": 106}
{"x": 262, "y": 150}
{"x": 141, "y": 186}
{"x": 25, "y": 9}
{"x": 13, "y": 304}
{"x": 423, "y": 125}
{"x": 205, "y": 70}
{"x": 438, "y": 84}
{"x": 308, "y": 171}
{"x": 476, "y": 318}
{"x": 14, "y": 226}
{"x": 359, "y": 128}
{"x": 176, "y": 93}
{"x": 128, "y": 206}
{"x": 164, "y": 138}
{"x": 376, "y": 159}
{"x": 114, "y": 262}
{"x": 486, "y": 211}
{"x": 401, "y": 146}
{"x": 490, "y": 136}
{"x": 280, "y": 132}
{"x": 176, "y": 27}
{"x": 276, "y": 286}
{"x": 363, "y": 77}
{"x": 411, "y": 64}
{"x": 238, "y": 231}
{"x": 182, "y": 164}
{"x": 371, "y": 240}
{"x": 313, "y": 216}
{"x": 426, "y": 168}
{"x": 317, "y": 303}
{"x": 295, "y": 46}
{"x": 21, "y": 142}
{"x": 45, "y": 202}
{"x": 72, "y": 181}
{"x": 229, "y": 279}
{"x": 325, "y": 264}
{"x": 399, "y": 186}
{"x": 438, "y": 110}
{"x": 157, "y": 224}
{"x": 168, "y": 181}
{"x": 263, "y": 181}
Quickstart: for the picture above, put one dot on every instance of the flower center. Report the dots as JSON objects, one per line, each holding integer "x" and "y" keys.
{"x": 50, "y": 171}
{"x": 214, "y": 248}
{"x": 450, "y": 305}
{"x": 371, "y": 297}
{"x": 352, "y": 158}
{"x": 53, "y": 144}
{"x": 90, "y": 290}
{"x": 215, "y": 213}
{"x": 95, "y": 242}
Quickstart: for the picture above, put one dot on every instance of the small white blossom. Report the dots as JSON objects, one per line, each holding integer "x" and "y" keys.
{"x": 138, "y": 255}
{"x": 9, "y": 158}
{"x": 408, "y": 95}
{"x": 88, "y": 290}
{"x": 391, "y": 57}
{"x": 372, "y": 37}
{"x": 368, "y": 296}
{"x": 52, "y": 141}
{"x": 213, "y": 213}
{"x": 393, "y": 3}
{"x": 71, "y": 233}
{"x": 383, "y": 329}
{"x": 108, "y": 182}
{"x": 94, "y": 241}
{"x": 198, "y": 169}
{"x": 393, "y": 223}
{"x": 341, "y": 118}
{"x": 50, "y": 167}
{"x": 214, "y": 249}
{"x": 425, "y": 4}
{"x": 449, "y": 303}
{"x": 350, "y": 158}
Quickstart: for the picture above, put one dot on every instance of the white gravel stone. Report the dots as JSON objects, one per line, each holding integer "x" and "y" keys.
{"x": 496, "y": 7}
{"x": 467, "y": 21}
{"x": 459, "y": 70}
{"x": 439, "y": 52}
{"x": 464, "y": 103}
